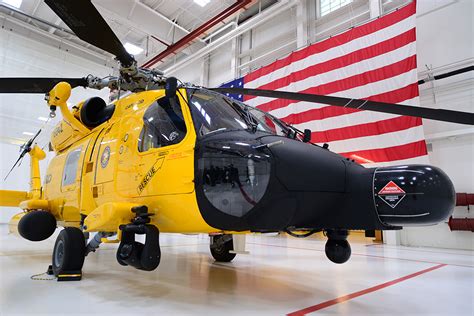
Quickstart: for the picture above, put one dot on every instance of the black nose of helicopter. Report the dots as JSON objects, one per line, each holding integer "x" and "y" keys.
{"x": 413, "y": 195}
{"x": 268, "y": 183}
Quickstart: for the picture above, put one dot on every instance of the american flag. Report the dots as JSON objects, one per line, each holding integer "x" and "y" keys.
{"x": 375, "y": 61}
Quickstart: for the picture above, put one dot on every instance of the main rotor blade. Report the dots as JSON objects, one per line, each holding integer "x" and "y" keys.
{"x": 433, "y": 114}
{"x": 86, "y": 22}
{"x": 36, "y": 85}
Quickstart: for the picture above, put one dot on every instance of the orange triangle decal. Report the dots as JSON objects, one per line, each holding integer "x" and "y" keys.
{"x": 391, "y": 188}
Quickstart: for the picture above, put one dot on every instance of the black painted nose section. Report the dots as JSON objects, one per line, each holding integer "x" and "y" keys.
{"x": 413, "y": 195}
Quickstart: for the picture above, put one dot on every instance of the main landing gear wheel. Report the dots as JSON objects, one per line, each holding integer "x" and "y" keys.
{"x": 221, "y": 245}
{"x": 69, "y": 254}
{"x": 337, "y": 247}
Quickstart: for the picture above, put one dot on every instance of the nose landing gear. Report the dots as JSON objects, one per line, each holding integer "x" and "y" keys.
{"x": 130, "y": 252}
{"x": 337, "y": 247}
{"x": 221, "y": 247}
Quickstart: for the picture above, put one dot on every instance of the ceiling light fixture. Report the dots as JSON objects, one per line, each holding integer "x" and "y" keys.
{"x": 13, "y": 3}
{"x": 133, "y": 49}
{"x": 202, "y": 3}
{"x": 28, "y": 133}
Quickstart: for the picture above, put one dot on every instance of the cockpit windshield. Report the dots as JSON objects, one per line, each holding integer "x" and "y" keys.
{"x": 213, "y": 112}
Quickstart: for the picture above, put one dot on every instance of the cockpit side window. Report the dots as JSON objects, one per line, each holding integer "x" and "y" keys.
{"x": 212, "y": 113}
{"x": 163, "y": 125}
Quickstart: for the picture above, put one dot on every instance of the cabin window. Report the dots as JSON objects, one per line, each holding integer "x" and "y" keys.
{"x": 70, "y": 168}
{"x": 163, "y": 125}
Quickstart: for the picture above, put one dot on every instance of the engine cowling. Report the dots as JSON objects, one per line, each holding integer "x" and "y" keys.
{"x": 94, "y": 111}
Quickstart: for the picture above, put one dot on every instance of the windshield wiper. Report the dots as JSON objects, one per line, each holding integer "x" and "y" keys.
{"x": 290, "y": 127}
{"x": 244, "y": 114}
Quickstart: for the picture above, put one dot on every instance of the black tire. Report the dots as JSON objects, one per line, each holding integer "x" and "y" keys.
{"x": 221, "y": 253}
{"x": 338, "y": 251}
{"x": 131, "y": 253}
{"x": 69, "y": 251}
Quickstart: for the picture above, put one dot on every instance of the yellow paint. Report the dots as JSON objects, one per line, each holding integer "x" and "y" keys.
{"x": 36, "y": 154}
{"x": 13, "y": 223}
{"x": 12, "y": 198}
{"x": 58, "y": 97}
{"x": 109, "y": 241}
{"x": 109, "y": 175}
{"x": 109, "y": 216}
{"x": 35, "y": 204}
{"x": 31, "y": 200}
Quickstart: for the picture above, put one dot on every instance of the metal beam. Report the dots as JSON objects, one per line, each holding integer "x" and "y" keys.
{"x": 162, "y": 16}
{"x": 106, "y": 57}
{"x": 257, "y": 20}
{"x": 198, "y": 31}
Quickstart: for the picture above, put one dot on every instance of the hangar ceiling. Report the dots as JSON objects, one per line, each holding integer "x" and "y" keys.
{"x": 151, "y": 25}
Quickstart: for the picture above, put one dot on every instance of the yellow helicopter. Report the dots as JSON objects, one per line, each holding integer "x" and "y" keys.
{"x": 178, "y": 158}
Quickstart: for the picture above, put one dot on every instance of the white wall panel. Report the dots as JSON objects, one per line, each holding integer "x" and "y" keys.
{"x": 267, "y": 42}
{"x": 19, "y": 177}
{"x": 445, "y": 37}
{"x": 220, "y": 65}
{"x": 25, "y": 56}
{"x": 22, "y": 56}
{"x": 192, "y": 73}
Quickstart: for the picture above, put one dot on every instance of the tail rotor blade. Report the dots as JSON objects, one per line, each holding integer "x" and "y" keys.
{"x": 14, "y": 165}
{"x": 25, "y": 148}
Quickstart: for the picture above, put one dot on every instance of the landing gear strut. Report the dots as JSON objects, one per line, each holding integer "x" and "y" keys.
{"x": 221, "y": 245}
{"x": 133, "y": 253}
{"x": 337, "y": 247}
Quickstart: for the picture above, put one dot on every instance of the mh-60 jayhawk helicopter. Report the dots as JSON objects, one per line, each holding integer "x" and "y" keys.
{"x": 178, "y": 158}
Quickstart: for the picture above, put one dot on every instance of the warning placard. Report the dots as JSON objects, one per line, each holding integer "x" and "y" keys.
{"x": 391, "y": 188}
{"x": 391, "y": 194}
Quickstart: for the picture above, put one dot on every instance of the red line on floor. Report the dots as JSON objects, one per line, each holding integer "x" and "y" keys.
{"x": 420, "y": 250}
{"x": 367, "y": 255}
{"x": 345, "y": 298}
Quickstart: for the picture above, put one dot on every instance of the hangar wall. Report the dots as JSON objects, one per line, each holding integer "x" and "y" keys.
{"x": 25, "y": 52}
{"x": 441, "y": 45}
{"x": 19, "y": 178}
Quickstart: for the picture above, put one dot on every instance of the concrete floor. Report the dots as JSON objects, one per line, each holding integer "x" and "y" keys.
{"x": 280, "y": 276}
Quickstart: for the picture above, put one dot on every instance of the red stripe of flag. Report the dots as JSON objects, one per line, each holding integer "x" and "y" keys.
{"x": 394, "y": 96}
{"x": 343, "y": 61}
{"x": 362, "y": 79}
{"x": 369, "y": 129}
{"x": 334, "y": 41}
{"x": 405, "y": 151}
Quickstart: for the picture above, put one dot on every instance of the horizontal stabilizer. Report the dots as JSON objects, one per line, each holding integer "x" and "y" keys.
{"x": 12, "y": 198}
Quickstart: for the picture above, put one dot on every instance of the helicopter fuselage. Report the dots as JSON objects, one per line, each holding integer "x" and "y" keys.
{"x": 105, "y": 166}
{"x": 202, "y": 178}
